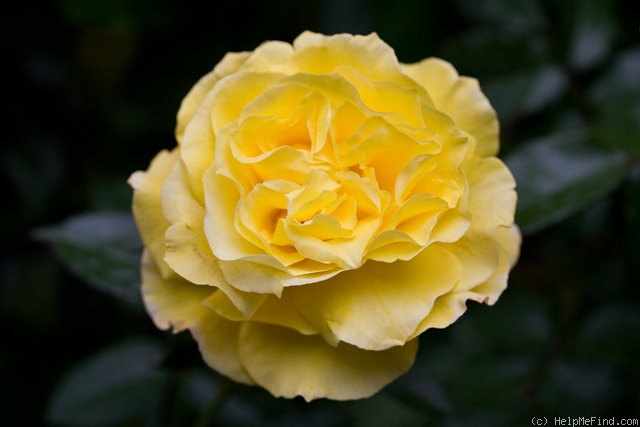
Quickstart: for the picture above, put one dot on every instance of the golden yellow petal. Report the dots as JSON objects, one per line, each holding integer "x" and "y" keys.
{"x": 447, "y": 309}
{"x": 379, "y": 305}
{"x": 393, "y": 245}
{"x": 270, "y": 56}
{"x": 172, "y": 302}
{"x": 319, "y": 54}
{"x": 508, "y": 239}
{"x": 492, "y": 197}
{"x": 228, "y": 65}
{"x": 461, "y": 99}
{"x": 289, "y": 364}
{"x": 232, "y": 95}
{"x": 274, "y": 311}
{"x": 147, "y": 205}
{"x": 218, "y": 341}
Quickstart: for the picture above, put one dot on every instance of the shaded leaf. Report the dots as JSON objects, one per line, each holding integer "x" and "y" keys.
{"x": 616, "y": 95}
{"x": 603, "y": 338}
{"x": 119, "y": 384}
{"x": 593, "y": 33}
{"x": 574, "y": 388}
{"x": 102, "y": 248}
{"x": 525, "y": 92}
{"x": 559, "y": 175}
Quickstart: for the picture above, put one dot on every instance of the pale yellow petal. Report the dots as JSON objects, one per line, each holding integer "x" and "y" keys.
{"x": 461, "y": 99}
{"x": 509, "y": 240}
{"x": 229, "y": 64}
{"x": 147, "y": 205}
{"x": 379, "y": 305}
{"x": 189, "y": 255}
{"x": 218, "y": 341}
{"x": 274, "y": 311}
{"x": 447, "y": 309}
{"x": 222, "y": 197}
{"x": 270, "y": 56}
{"x": 289, "y": 364}
{"x": 262, "y": 275}
{"x": 179, "y": 204}
{"x": 172, "y": 302}
{"x": 393, "y": 245}
{"x": 319, "y": 54}
{"x": 479, "y": 255}
{"x": 234, "y": 93}
{"x": 198, "y": 148}
{"x": 492, "y": 197}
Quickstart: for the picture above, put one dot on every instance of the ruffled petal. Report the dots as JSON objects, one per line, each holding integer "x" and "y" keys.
{"x": 379, "y": 305}
{"x": 228, "y": 65}
{"x": 492, "y": 196}
{"x": 147, "y": 205}
{"x": 447, "y": 309}
{"x": 218, "y": 341}
{"x": 289, "y": 364}
{"x": 171, "y": 301}
{"x": 319, "y": 54}
{"x": 461, "y": 99}
{"x": 274, "y": 311}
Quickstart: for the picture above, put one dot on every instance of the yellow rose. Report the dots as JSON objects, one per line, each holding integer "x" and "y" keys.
{"x": 325, "y": 205}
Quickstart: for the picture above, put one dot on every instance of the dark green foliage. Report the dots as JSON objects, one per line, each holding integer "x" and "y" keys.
{"x": 91, "y": 92}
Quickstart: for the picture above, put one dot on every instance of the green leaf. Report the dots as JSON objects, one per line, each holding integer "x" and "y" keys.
{"x": 610, "y": 334}
{"x": 102, "y": 248}
{"x": 525, "y": 92}
{"x": 559, "y": 175}
{"x": 594, "y": 31}
{"x": 119, "y": 384}
{"x": 616, "y": 96}
{"x": 574, "y": 387}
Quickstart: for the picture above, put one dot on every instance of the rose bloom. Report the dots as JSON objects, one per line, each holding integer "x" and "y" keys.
{"x": 325, "y": 205}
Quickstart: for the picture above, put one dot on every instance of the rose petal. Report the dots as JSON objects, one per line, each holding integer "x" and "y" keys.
{"x": 289, "y": 364}
{"x": 218, "y": 341}
{"x": 379, "y": 305}
{"x": 492, "y": 197}
{"x": 461, "y": 99}
{"x": 171, "y": 301}
{"x": 318, "y": 54}
{"x": 228, "y": 65}
{"x": 274, "y": 311}
{"x": 447, "y": 309}
{"x": 147, "y": 205}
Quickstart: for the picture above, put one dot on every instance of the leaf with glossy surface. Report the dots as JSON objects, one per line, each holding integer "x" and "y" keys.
{"x": 559, "y": 175}
{"x": 525, "y": 92}
{"x": 120, "y": 384}
{"x": 102, "y": 248}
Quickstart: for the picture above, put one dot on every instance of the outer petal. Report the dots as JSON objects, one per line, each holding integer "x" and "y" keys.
{"x": 187, "y": 249}
{"x": 217, "y": 340}
{"x": 461, "y": 99}
{"x": 229, "y": 64}
{"x": 508, "y": 239}
{"x": 147, "y": 206}
{"x": 289, "y": 364}
{"x": 447, "y": 309}
{"x": 172, "y": 302}
{"x": 492, "y": 197}
{"x": 320, "y": 54}
{"x": 275, "y": 311}
{"x": 379, "y": 305}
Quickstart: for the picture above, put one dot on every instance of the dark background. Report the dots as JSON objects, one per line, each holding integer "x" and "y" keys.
{"x": 91, "y": 89}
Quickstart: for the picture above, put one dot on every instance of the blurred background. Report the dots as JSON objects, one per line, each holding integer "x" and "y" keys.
{"x": 91, "y": 92}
